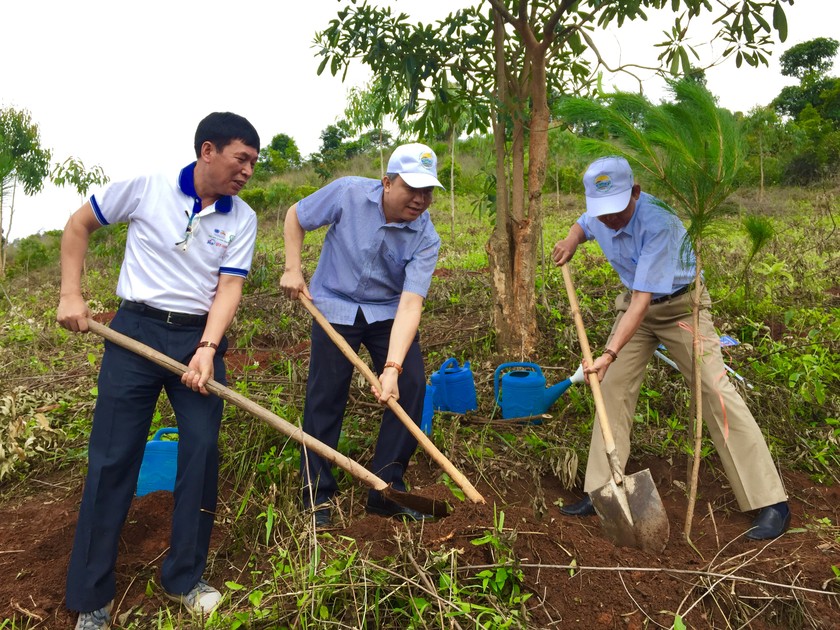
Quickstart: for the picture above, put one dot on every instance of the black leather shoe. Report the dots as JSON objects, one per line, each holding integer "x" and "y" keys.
{"x": 394, "y": 510}
{"x": 581, "y": 508}
{"x": 771, "y": 522}
{"x": 323, "y": 518}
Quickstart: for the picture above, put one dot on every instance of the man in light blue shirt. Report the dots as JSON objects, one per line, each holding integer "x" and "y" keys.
{"x": 375, "y": 269}
{"x": 645, "y": 243}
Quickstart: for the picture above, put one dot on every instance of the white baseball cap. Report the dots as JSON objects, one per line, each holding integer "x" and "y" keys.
{"x": 416, "y": 164}
{"x": 608, "y": 183}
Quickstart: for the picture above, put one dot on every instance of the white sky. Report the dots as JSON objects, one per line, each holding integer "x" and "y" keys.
{"x": 123, "y": 85}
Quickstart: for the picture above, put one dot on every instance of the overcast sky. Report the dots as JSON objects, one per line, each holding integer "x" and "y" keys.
{"x": 123, "y": 84}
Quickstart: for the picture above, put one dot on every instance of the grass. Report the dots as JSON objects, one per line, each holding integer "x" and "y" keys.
{"x": 784, "y": 309}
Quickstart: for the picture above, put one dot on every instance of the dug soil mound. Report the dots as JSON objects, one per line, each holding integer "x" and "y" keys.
{"x": 577, "y": 578}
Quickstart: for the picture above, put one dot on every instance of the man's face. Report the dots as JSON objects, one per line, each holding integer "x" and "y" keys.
{"x": 401, "y": 202}
{"x": 618, "y": 220}
{"x": 231, "y": 168}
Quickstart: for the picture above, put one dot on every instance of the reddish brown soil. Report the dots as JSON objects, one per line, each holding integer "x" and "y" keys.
{"x": 36, "y": 535}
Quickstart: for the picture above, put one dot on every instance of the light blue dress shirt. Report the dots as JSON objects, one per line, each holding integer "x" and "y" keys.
{"x": 649, "y": 253}
{"x": 366, "y": 262}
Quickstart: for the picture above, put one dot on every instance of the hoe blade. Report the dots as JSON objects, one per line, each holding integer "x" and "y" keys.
{"x": 422, "y": 504}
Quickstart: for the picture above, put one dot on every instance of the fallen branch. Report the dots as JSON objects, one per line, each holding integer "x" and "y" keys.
{"x": 710, "y": 574}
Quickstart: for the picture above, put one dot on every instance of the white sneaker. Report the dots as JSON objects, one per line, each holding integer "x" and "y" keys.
{"x": 97, "y": 619}
{"x": 202, "y": 598}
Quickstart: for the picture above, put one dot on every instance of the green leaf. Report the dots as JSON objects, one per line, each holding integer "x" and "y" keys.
{"x": 678, "y": 623}
{"x": 780, "y": 21}
{"x": 233, "y": 586}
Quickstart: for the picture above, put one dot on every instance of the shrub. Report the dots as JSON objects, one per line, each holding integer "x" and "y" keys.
{"x": 257, "y": 198}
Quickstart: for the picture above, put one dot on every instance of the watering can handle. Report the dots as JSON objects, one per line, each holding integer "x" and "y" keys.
{"x": 505, "y": 366}
{"x": 442, "y": 372}
{"x": 164, "y": 431}
{"x": 446, "y": 364}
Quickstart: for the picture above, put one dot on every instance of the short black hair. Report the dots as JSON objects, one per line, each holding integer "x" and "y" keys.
{"x": 222, "y": 128}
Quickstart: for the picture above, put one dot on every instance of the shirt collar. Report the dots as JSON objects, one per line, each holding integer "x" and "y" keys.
{"x": 186, "y": 182}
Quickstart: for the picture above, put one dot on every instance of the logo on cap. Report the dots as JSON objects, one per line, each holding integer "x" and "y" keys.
{"x": 426, "y": 160}
{"x": 603, "y": 183}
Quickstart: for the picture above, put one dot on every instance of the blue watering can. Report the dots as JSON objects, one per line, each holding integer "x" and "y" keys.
{"x": 454, "y": 387}
{"x": 160, "y": 463}
{"x": 428, "y": 410}
{"x": 522, "y": 392}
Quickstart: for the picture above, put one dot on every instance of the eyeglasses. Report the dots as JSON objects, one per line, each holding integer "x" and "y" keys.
{"x": 189, "y": 232}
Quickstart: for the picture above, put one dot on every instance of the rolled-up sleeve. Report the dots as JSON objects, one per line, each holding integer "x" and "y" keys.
{"x": 418, "y": 272}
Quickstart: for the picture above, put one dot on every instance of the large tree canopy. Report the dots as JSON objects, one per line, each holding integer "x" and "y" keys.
{"x": 503, "y": 56}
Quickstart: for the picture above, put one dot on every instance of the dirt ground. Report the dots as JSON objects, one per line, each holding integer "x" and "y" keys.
{"x": 569, "y": 566}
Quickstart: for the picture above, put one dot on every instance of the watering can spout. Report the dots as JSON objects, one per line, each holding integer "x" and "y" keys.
{"x": 554, "y": 392}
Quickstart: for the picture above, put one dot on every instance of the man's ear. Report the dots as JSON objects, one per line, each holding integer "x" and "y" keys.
{"x": 386, "y": 183}
{"x": 207, "y": 150}
{"x": 637, "y": 190}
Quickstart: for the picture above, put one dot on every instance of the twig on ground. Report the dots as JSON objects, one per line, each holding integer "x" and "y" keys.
{"x": 581, "y": 568}
{"x": 636, "y": 604}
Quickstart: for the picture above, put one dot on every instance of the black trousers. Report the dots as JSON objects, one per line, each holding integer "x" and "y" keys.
{"x": 129, "y": 387}
{"x": 327, "y": 390}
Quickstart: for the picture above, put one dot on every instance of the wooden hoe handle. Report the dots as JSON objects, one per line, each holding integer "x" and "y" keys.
{"x": 469, "y": 490}
{"x": 286, "y": 428}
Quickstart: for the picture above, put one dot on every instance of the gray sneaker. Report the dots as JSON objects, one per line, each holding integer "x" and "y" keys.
{"x": 202, "y": 598}
{"x": 97, "y": 619}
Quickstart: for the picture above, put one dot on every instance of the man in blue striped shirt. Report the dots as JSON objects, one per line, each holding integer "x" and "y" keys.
{"x": 375, "y": 269}
{"x": 644, "y": 242}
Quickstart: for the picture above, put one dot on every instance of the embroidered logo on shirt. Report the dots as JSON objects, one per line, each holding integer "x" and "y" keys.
{"x": 603, "y": 183}
{"x": 220, "y": 238}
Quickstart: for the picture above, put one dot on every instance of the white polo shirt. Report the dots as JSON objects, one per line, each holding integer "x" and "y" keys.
{"x": 157, "y": 269}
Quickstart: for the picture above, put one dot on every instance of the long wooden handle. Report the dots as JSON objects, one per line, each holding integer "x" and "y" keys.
{"x": 469, "y": 490}
{"x": 594, "y": 383}
{"x": 286, "y": 428}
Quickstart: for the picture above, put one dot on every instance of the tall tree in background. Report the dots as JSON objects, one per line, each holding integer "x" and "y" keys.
{"x": 692, "y": 150}
{"x": 279, "y": 156}
{"x": 507, "y": 54}
{"x": 813, "y": 106}
{"x": 22, "y": 160}
{"x": 367, "y": 109}
{"x": 72, "y": 171}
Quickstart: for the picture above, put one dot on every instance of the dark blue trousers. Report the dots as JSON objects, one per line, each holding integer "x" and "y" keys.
{"x": 327, "y": 390}
{"x": 129, "y": 387}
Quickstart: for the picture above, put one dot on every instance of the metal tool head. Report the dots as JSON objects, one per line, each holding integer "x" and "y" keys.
{"x": 632, "y": 513}
{"x": 424, "y": 505}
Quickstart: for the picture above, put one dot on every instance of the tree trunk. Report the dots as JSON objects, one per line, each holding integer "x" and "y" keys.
{"x": 513, "y": 245}
{"x": 761, "y": 165}
{"x": 452, "y": 184}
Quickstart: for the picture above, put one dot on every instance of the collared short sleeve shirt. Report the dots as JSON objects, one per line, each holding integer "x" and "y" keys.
{"x": 157, "y": 269}
{"x": 650, "y": 253}
{"x": 366, "y": 262}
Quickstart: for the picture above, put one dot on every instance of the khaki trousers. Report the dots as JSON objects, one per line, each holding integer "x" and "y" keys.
{"x": 746, "y": 459}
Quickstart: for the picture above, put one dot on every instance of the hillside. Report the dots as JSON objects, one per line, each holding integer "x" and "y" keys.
{"x": 515, "y": 562}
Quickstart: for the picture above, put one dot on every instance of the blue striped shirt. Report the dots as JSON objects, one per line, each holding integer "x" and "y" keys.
{"x": 647, "y": 253}
{"x": 366, "y": 262}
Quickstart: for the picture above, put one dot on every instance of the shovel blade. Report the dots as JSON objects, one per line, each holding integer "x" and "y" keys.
{"x": 424, "y": 505}
{"x": 650, "y": 521}
{"x": 632, "y": 514}
{"x": 611, "y": 506}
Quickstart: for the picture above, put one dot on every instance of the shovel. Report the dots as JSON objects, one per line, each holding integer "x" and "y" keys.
{"x": 629, "y": 506}
{"x": 469, "y": 490}
{"x": 406, "y": 499}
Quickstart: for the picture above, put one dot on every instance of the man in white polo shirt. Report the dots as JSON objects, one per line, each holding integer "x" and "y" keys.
{"x": 188, "y": 250}
{"x": 375, "y": 268}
